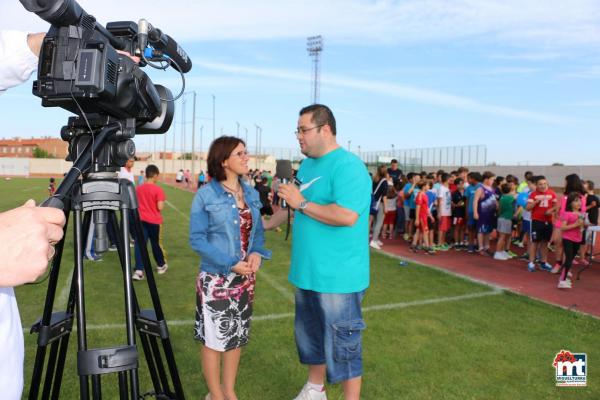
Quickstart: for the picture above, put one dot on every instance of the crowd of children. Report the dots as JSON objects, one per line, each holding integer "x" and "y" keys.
{"x": 464, "y": 210}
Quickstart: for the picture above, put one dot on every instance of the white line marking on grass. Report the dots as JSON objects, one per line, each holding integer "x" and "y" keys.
{"x": 271, "y": 317}
{"x": 30, "y": 189}
{"x": 280, "y": 288}
{"x": 61, "y": 302}
{"x": 167, "y": 202}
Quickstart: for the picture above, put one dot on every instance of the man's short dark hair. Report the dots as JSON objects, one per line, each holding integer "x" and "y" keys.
{"x": 321, "y": 115}
{"x": 394, "y": 161}
{"x": 445, "y": 177}
{"x": 219, "y": 151}
{"x": 151, "y": 171}
{"x": 410, "y": 175}
{"x": 538, "y": 178}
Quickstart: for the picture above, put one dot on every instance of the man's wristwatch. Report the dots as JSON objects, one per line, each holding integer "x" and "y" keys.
{"x": 303, "y": 205}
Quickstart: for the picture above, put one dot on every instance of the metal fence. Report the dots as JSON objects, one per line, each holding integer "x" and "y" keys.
{"x": 417, "y": 159}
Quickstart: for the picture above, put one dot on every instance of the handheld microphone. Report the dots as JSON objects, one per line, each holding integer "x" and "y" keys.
{"x": 283, "y": 170}
{"x": 165, "y": 43}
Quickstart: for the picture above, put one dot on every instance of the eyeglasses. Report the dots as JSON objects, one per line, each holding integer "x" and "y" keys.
{"x": 302, "y": 131}
{"x": 241, "y": 153}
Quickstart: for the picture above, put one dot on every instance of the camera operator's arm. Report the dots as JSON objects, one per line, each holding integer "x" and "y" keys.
{"x": 27, "y": 235}
{"x": 19, "y": 54}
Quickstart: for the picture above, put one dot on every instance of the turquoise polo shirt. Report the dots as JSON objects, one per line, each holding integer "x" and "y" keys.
{"x": 326, "y": 258}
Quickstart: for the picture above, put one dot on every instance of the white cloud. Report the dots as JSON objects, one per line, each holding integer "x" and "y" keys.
{"x": 407, "y": 92}
{"x": 547, "y": 24}
{"x": 511, "y": 71}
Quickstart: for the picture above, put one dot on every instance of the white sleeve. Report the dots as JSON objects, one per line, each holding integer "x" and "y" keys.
{"x": 18, "y": 61}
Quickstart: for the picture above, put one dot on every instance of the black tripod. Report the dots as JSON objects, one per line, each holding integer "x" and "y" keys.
{"x": 100, "y": 195}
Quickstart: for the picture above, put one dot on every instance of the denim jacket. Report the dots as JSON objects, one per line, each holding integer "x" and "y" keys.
{"x": 215, "y": 228}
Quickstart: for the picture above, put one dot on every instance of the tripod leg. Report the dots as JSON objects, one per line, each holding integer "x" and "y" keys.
{"x": 129, "y": 296}
{"x": 80, "y": 300}
{"x": 166, "y": 342}
{"x": 143, "y": 337}
{"x": 123, "y": 385}
{"x": 40, "y": 356}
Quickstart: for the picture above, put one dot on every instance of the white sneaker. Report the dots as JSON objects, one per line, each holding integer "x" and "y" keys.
{"x": 309, "y": 393}
{"x": 375, "y": 245}
{"x": 163, "y": 269}
{"x": 138, "y": 275}
{"x": 379, "y": 242}
{"x": 500, "y": 255}
{"x": 564, "y": 284}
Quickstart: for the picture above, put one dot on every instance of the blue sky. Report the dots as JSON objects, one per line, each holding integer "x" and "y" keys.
{"x": 518, "y": 76}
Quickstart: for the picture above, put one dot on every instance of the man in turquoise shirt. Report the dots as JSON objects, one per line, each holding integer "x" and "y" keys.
{"x": 330, "y": 255}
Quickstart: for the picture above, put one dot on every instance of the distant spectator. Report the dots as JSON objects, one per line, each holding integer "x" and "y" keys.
{"x": 394, "y": 172}
{"x": 51, "y": 187}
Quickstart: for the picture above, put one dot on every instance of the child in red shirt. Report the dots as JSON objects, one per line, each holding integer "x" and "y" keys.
{"x": 542, "y": 204}
{"x": 422, "y": 215}
{"x": 151, "y": 200}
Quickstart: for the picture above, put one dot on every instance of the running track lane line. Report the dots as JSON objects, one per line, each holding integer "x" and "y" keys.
{"x": 380, "y": 307}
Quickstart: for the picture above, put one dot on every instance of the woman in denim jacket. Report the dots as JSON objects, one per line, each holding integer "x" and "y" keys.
{"x": 227, "y": 232}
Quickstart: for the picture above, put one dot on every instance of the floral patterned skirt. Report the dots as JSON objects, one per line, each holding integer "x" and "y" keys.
{"x": 223, "y": 310}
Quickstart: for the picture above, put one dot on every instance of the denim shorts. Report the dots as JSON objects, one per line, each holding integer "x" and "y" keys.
{"x": 328, "y": 330}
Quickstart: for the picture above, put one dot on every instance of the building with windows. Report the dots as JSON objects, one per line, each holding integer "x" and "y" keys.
{"x": 24, "y": 148}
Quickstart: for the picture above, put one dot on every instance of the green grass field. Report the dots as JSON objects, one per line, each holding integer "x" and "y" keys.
{"x": 430, "y": 335}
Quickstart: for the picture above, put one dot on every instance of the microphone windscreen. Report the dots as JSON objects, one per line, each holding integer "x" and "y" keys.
{"x": 283, "y": 169}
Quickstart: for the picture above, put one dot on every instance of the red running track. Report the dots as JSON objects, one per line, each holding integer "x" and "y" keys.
{"x": 513, "y": 275}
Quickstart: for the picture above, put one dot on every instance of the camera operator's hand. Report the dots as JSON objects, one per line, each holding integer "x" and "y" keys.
{"x": 242, "y": 268}
{"x": 27, "y": 238}
{"x": 135, "y": 59}
{"x": 34, "y": 41}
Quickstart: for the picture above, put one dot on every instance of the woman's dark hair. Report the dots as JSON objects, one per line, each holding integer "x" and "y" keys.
{"x": 570, "y": 199}
{"x": 219, "y": 151}
{"x": 573, "y": 184}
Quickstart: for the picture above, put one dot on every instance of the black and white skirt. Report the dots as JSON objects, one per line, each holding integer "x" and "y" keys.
{"x": 224, "y": 310}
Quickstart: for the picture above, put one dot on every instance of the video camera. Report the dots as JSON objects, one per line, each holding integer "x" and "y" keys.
{"x": 81, "y": 70}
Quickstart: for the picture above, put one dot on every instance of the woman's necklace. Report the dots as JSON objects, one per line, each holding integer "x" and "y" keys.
{"x": 236, "y": 193}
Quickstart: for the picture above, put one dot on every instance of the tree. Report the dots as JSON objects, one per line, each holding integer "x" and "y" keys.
{"x": 41, "y": 153}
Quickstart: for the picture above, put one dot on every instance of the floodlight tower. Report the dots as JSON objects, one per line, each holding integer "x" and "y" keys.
{"x": 314, "y": 45}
